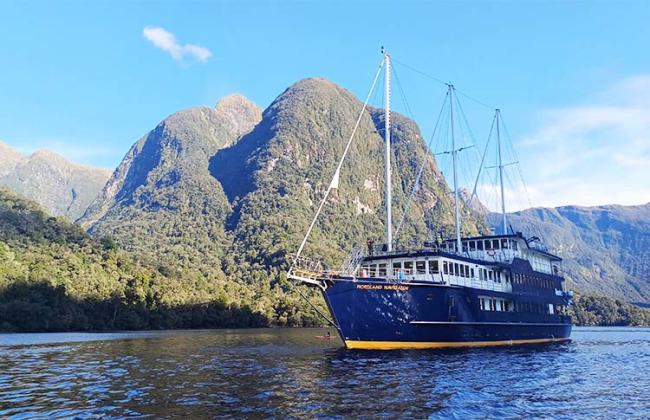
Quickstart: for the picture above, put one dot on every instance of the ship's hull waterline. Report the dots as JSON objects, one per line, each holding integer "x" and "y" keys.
{"x": 380, "y": 315}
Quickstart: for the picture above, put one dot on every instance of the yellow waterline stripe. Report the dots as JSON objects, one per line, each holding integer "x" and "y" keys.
{"x": 394, "y": 345}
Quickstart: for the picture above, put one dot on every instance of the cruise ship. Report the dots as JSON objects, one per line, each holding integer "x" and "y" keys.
{"x": 491, "y": 290}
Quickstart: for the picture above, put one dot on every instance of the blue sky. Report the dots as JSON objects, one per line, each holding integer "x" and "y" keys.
{"x": 87, "y": 79}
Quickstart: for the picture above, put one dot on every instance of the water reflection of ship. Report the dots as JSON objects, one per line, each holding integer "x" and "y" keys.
{"x": 485, "y": 290}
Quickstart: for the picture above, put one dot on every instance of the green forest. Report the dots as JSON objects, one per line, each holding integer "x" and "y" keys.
{"x": 55, "y": 277}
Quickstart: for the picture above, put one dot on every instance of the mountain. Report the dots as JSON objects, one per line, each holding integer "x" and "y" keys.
{"x": 163, "y": 203}
{"x": 61, "y": 187}
{"x": 276, "y": 175}
{"x": 225, "y": 194}
{"x": 196, "y": 225}
{"x": 606, "y": 249}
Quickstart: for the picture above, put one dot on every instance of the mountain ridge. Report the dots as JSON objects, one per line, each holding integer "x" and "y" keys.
{"x": 606, "y": 248}
{"x": 62, "y": 187}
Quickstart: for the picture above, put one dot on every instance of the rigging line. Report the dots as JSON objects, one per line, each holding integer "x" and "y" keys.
{"x": 338, "y": 168}
{"x": 427, "y": 75}
{"x": 480, "y": 168}
{"x": 514, "y": 152}
{"x": 421, "y": 72}
{"x": 318, "y": 311}
{"x": 479, "y": 102}
{"x": 421, "y": 169}
{"x": 469, "y": 128}
{"x": 399, "y": 85}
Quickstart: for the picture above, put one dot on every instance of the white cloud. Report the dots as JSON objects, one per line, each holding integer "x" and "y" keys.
{"x": 166, "y": 41}
{"x": 594, "y": 153}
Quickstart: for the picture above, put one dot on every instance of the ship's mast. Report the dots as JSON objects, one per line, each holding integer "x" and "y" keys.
{"x": 389, "y": 221}
{"x": 454, "y": 152}
{"x": 503, "y": 198}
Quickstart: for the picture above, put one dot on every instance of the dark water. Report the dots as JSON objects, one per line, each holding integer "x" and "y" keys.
{"x": 603, "y": 373}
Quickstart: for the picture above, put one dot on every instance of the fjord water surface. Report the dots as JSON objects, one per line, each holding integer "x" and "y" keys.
{"x": 282, "y": 373}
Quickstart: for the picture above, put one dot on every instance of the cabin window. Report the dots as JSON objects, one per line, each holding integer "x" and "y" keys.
{"x": 408, "y": 267}
{"x": 456, "y": 270}
{"x": 481, "y": 303}
{"x": 490, "y": 275}
{"x": 433, "y": 267}
{"x": 445, "y": 267}
{"x": 382, "y": 270}
{"x": 467, "y": 271}
{"x": 421, "y": 267}
{"x": 495, "y": 244}
{"x": 479, "y": 245}
{"x": 493, "y": 305}
{"x": 464, "y": 246}
{"x": 472, "y": 246}
{"x": 397, "y": 267}
{"x": 504, "y": 244}
{"x": 472, "y": 272}
{"x": 498, "y": 275}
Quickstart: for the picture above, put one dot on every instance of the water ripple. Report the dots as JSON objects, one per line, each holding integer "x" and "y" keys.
{"x": 286, "y": 373}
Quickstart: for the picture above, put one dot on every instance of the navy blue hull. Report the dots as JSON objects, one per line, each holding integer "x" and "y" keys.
{"x": 378, "y": 314}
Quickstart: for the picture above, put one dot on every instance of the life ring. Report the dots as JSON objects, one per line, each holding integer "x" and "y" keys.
{"x": 491, "y": 252}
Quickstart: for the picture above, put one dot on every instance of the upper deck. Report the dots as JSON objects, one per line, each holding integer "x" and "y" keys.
{"x": 489, "y": 249}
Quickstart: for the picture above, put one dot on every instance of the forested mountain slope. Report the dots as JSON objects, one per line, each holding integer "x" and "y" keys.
{"x": 61, "y": 187}
{"x": 606, "y": 249}
{"x": 54, "y": 277}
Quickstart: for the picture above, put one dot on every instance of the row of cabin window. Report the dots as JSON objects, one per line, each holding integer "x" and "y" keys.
{"x": 536, "y": 308}
{"x": 463, "y": 270}
{"x": 457, "y": 269}
{"x": 533, "y": 281}
{"x": 502, "y": 305}
{"x": 406, "y": 267}
{"x": 495, "y": 304}
{"x": 486, "y": 245}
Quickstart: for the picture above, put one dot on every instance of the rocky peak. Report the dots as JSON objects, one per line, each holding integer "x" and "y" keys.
{"x": 172, "y": 159}
{"x": 9, "y": 158}
{"x": 238, "y": 113}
